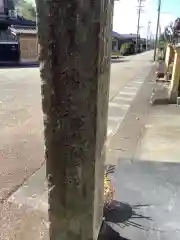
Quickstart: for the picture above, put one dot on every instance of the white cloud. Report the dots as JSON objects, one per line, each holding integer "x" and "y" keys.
{"x": 125, "y": 17}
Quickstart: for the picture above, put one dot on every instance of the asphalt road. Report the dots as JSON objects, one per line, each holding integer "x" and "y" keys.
{"x": 21, "y": 145}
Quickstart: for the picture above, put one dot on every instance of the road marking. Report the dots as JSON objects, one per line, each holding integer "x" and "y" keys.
{"x": 120, "y": 106}
{"x": 123, "y": 98}
{"x": 121, "y": 103}
{"x": 128, "y": 93}
{"x": 109, "y": 131}
{"x": 131, "y": 88}
{"x": 116, "y": 119}
{"x": 138, "y": 82}
{"x": 113, "y": 104}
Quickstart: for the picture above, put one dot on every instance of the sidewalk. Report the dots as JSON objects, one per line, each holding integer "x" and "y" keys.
{"x": 146, "y": 177}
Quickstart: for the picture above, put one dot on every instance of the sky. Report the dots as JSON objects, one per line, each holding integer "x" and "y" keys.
{"x": 125, "y": 15}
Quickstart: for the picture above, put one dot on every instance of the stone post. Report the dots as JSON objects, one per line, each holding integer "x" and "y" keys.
{"x": 75, "y": 52}
{"x": 174, "y": 87}
{"x": 169, "y": 56}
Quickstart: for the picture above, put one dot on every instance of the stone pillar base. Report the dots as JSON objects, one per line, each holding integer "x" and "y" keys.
{"x": 173, "y": 96}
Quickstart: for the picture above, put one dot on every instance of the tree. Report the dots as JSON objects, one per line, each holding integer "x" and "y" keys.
{"x": 172, "y": 31}
{"x": 169, "y": 33}
{"x": 75, "y": 53}
{"x": 28, "y": 10}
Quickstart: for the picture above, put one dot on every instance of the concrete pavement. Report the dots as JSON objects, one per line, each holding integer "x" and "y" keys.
{"x": 127, "y": 76}
{"x": 162, "y": 129}
{"x": 121, "y": 102}
{"x": 20, "y": 127}
{"x": 145, "y": 157}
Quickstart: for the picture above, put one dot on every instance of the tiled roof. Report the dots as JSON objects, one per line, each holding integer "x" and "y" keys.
{"x": 25, "y": 30}
{"x": 124, "y": 36}
{"x": 115, "y": 34}
{"x": 130, "y": 36}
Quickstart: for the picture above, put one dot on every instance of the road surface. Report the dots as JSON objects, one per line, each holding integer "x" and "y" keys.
{"x": 21, "y": 145}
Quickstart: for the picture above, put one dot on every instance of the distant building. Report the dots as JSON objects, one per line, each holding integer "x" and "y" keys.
{"x": 18, "y": 38}
{"x": 119, "y": 39}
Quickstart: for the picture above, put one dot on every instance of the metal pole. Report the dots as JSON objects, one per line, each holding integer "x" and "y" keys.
{"x": 147, "y": 42}
{"x": 147, "y": 38}
{"x": 157, "y": 28}
{"x": 138, "y": 25}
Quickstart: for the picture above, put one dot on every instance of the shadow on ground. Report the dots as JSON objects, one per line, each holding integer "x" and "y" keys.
{"x": 108, "y": 233}
{"x": 135, "y": 184}
{"x": 121, "y": 215}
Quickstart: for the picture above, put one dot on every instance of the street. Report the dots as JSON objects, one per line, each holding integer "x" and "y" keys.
{"x": 21, "y": 146}
{"x": 142, "y": 151}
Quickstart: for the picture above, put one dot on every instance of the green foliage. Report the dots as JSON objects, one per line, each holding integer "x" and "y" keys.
{"x": 123, "y": 48}
{"x": 28, "y": 10}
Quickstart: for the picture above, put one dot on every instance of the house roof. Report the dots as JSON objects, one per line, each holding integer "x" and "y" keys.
{"x": 115, "y": 34}
{"x": 124, "y": 36}
{"x": 23, "y": 30}
{"x": 130, "y": 36}
{"x": 21, "y": 25}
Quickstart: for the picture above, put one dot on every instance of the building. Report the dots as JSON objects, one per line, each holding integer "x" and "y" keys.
{"x": 118, "y": 39}
{"x": 18, "y": 37}
{"x": 28, "y": 43}
{"x": 128, "y": 40}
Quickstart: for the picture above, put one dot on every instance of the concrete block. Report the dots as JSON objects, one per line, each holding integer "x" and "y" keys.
{"x": 178, "y": 101}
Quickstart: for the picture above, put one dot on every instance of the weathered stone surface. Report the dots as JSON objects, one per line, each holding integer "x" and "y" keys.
{"x": 75, "y": 46}
{"x": 174, "y": 87}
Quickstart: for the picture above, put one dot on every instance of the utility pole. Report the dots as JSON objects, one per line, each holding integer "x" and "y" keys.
{"x": 157, "y": 28}
{"x": 140, "y": 6}
{"x": 148, "y": 30}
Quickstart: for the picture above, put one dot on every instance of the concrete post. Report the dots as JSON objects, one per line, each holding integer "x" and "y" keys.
{"x": 75, "y": 53}
{"x": 169, "y": 56}
{"x": 174, "y": 87}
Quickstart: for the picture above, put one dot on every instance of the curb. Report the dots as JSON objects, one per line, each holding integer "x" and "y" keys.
{"x": 125, "y": 98}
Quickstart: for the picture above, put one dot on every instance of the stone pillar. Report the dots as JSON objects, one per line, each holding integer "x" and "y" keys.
{"x": 174, "y": 87}
{"x": 169, "y": 56}
{"x": 75, "y": 53}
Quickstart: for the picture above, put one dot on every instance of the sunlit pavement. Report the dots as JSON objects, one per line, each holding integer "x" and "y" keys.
{"x": 145, "y": 156}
